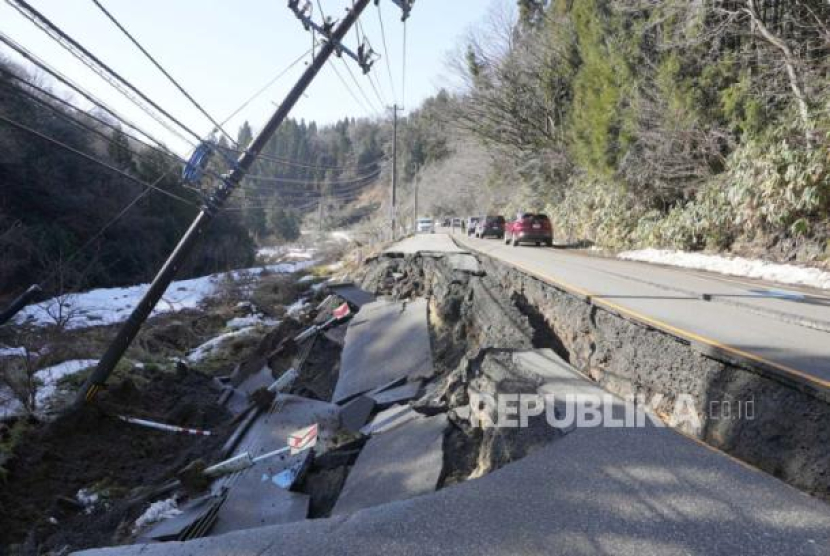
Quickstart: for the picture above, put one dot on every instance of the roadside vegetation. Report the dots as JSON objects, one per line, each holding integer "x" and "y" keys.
{"x": 640, "y": 123}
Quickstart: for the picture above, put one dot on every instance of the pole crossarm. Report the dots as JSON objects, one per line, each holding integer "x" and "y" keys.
{"x": 365, "y": 56}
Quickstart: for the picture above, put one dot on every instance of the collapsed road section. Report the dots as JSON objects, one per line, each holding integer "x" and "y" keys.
{"x": 414, "y": 454}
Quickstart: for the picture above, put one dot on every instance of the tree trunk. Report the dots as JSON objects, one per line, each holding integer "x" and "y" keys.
{"x": 790, "y": 64}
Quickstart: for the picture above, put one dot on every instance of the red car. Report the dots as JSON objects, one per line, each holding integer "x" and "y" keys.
{"x": 529, "y": 228}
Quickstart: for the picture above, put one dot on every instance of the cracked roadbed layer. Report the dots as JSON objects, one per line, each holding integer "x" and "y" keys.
{"x": 787, "y": 436}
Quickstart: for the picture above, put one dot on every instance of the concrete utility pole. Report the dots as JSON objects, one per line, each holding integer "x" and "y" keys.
{"x": 415, "y": 216}
{"x": 130, "y": 328}
{"x": 395, "y": 109}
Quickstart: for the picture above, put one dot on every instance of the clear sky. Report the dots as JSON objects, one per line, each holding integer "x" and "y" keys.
{"x": 223, "y": 51}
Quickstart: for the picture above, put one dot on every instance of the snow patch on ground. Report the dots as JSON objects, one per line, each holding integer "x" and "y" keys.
{"x": 247, "y": 322}
{"x": 13, "y": 352}
{"x": 341, "y": 236}
{"x": 734, "y": 266}
{"x": 113, "y": 305}
{"x": 158, "y": 511}
{"x": 296, "y": 308}
{"x": 287, "y": 253}
{"x": 47, "y": 379}
{"x": 50, "y": 377}
{"x": 87, "y": 499}
{"x": 205, "y": 350}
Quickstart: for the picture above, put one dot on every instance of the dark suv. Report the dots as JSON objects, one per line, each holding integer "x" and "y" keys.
{"x": 490, "y": 226}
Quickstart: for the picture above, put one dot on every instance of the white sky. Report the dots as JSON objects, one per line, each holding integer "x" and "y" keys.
{"x": 222, "y": 51}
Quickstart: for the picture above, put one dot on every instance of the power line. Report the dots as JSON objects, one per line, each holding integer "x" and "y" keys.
{"x": 94, "y": 63}
{"x": 349, "y": 89}
{"x": 295, "y": 164}
{"x": 373, "y": 83}
{"x": 267, "y": 86}
{"x": 92, "y": 159}
{"x": 75, "y": 87}
{"x": 74, "y": 120}
{"x": 359, "y": 88}
{"x": 313, "y": 182}
{"x": 386, "y": 53}
{"x": 403, "y": 71}
{"x": 150, "y": 57}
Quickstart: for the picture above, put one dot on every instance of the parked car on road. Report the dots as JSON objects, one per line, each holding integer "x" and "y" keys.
{"x": 490, "y": 226}
{"x": 425, "y": 226}
{"x": 529, "y": 228}
{"x": 471, "y": 224}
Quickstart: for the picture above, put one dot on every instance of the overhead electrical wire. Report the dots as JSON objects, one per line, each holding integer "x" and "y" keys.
{"x": 403, "y": 71}
{"x": 369, "y": 102}
{"x": 75, "y": 87}
{"x": 102, "y": 122}
{"x": 169, "y": 77}
{"x": 92, "y": 159}
{"x": 386, "y": 53}
{"x": 267, "y": 86}
{"x": 124, "y": 86}
{"x": 78, "y": 123}
{"x": 349, "y": 89}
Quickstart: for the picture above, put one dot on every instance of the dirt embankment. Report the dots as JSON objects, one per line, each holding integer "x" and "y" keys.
{"x": 92, "y": 449}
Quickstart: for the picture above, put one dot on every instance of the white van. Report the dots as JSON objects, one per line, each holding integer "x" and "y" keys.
{"x": 425, "y": 226}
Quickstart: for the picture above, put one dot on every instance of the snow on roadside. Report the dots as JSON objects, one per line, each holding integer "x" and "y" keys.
{"x": 239, "y": 323}
{"x": 50, "y": 377}
{"x": 286, "y": 253}
{"x": 734, "y": 266}
{"x": 297, "y": 307}
{"x": 13, "y": 351}
{"x": 113, "y": 305}
{"x": 87, "y": 499}
{"x": 158, "y": 511}
{"x": 206, "y": 349}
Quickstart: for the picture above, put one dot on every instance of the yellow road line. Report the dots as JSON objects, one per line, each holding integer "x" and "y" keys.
{"x": 598, "y": 300}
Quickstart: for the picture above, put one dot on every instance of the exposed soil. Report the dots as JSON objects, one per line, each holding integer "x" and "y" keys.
{"x": 320, "y": 372}
{"x": 91, "y": 449}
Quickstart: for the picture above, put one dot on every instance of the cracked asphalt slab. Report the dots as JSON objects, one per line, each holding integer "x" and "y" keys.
{"x": 595, "y": 491}
{"x": 620, "y": 491}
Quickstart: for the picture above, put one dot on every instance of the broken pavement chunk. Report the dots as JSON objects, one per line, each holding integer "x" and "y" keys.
{"x": 354, "y": 414}
{"x": 399, "y": 464}
{"x": 399, "y": 394}
{"x": 390, "y": 419}
{"x": 353, "y": 294}
{"x": 464, "y": 262}
{"x": 384, "y": 342}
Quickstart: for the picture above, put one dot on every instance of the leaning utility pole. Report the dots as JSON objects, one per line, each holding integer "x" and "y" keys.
{"x": 130, "y": 328}
{"x": 394, "y": 209}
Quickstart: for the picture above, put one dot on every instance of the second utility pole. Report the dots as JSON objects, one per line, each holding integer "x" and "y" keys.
{"x": 130, "y": 328}
{"x": 395, "y": 110}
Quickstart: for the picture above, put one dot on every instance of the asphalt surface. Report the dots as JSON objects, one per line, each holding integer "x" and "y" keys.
{"x": 386, "y": 341}
{"x": 626, "y": 492}
{"x": 751, "y": 320}
{"x": 595, "y": 491}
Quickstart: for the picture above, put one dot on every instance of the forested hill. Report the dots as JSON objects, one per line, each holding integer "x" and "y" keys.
{"x": 667, "y": 123}
{"x": 73, "y": 223}
{"x": 303, "y": 165}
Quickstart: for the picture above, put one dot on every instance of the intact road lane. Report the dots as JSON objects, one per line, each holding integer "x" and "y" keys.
{"x": 784, "y": 329}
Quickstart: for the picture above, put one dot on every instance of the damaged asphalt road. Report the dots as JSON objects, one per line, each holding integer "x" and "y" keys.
{"x": 421, "y": 479}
